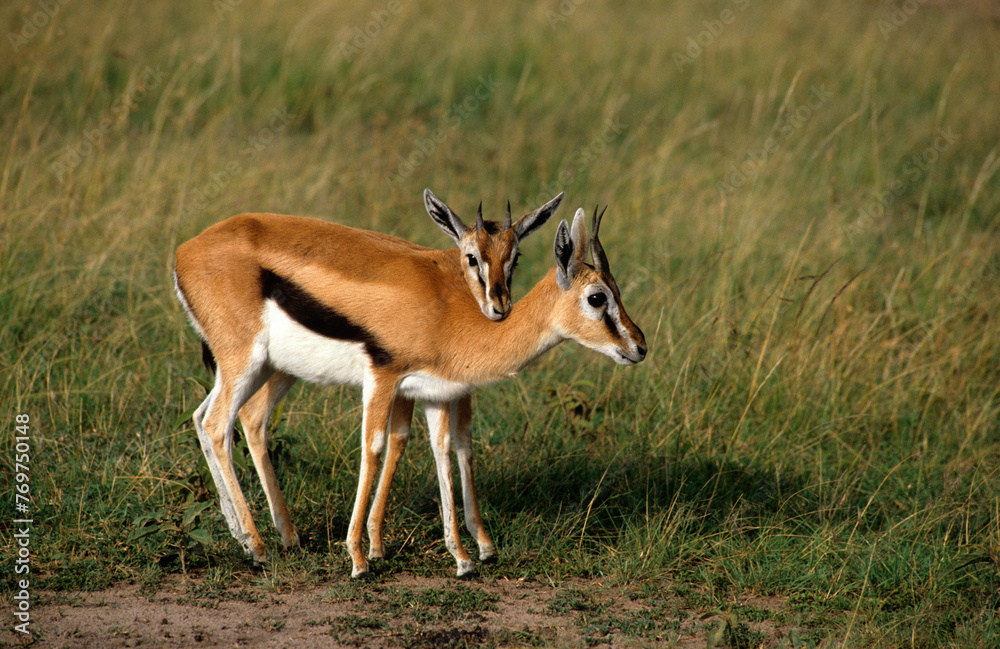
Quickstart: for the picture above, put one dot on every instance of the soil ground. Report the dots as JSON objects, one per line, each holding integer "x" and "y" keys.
{"x": 405, "y": 611}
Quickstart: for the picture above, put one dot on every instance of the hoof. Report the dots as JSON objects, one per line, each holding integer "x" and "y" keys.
{"x": 259, "y": 558}
{"x": 258, "y": 565}
{"x": 294, "y": 542}
{"x": 466, "y": 570}
{"x": 488, "y": 556}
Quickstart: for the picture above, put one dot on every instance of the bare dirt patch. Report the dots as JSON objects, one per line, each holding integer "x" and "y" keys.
{"x": 405, "y": 611}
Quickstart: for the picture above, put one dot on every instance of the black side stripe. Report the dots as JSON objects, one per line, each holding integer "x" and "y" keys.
{"x": 207, "y": 357}
{"x": 318, "y": 317}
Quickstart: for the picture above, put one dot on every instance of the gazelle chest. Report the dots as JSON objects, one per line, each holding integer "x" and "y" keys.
{"x": 428, "y": 387}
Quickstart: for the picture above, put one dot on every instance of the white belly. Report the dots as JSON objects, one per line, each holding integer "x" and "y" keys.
{"x": 298, "y": 351}
{"x": 301, "y": 352}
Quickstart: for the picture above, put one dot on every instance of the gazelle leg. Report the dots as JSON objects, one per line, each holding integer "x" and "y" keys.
{"x": 214, "y": 421}
{"x": 399, "y": 435}
{"x": 462, "y": 436}
{"x": 440, "y": 416}
{"x": 255, "y": 414}
{"x": 378, "y": 395}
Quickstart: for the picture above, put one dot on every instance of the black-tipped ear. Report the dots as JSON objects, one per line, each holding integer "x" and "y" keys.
{"x": 531, "y": 222}
{"x": 564, "y": 256}
{"x": 443, "y": 216}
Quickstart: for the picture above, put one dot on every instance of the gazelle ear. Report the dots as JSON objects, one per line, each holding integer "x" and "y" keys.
{"x": 444, "y": 217}
{"x": 531, "y": 222}
{"x": 565, "y": 256}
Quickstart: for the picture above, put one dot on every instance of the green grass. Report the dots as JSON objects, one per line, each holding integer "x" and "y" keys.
{"x": 803, "y": 220}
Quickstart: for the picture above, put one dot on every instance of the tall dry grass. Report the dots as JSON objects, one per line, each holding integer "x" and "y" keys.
{"x": 802, "y": 218}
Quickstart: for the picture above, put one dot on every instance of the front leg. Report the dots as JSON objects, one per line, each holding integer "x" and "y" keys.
{"x": 378, "y": 394}
{"x": 399, "y": 435}
{"x": 440, "y": 418}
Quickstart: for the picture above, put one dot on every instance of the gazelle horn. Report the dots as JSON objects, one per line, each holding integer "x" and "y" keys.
{"x": 596, "y": 249}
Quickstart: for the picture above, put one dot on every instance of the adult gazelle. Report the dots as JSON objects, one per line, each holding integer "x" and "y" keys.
{"x": 279, "y": 298}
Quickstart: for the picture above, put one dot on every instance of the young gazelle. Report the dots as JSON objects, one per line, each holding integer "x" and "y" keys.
{"x": 278, "y": 297}
{"x": 485, "y": 262}
{"x": 489, "y": 249}
{"x": 490, "y": 252}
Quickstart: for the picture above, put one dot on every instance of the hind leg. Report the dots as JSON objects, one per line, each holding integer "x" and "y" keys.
{"x": 214, "y": 421}
{"x": 255, "y": 414}
{"x": 462, "y": 438}
{"x": 440, "y": 422}
{"x": 237, "y": 378}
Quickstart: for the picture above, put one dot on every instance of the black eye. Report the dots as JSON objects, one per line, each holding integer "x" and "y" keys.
{"x": 597, "y": 300}
{"x": 472, "y": 261}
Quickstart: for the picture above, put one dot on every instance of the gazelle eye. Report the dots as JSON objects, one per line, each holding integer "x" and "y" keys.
{"x": 597, "y": 300}
{"x": 472, "y": 261}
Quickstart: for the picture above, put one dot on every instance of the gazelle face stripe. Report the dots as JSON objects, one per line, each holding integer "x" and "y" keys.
{"x": 596, "y": 317}
{"x": 494, "y": 250}
{"x": 318, "y": 317}
{"x": 601, "y": 302}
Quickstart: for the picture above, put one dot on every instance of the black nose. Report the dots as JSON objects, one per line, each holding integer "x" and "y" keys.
{"x": 642, "y": 352}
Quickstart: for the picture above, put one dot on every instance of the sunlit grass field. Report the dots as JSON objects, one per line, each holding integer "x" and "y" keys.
{"x": 803, "y": 202}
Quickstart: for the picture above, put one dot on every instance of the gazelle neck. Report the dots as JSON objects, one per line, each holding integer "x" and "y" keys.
{"x": 497, "y": 350}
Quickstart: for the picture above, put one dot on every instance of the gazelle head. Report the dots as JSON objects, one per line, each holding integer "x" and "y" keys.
{"x": 489, "y": 249}
{"x": 590, "y": 309}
